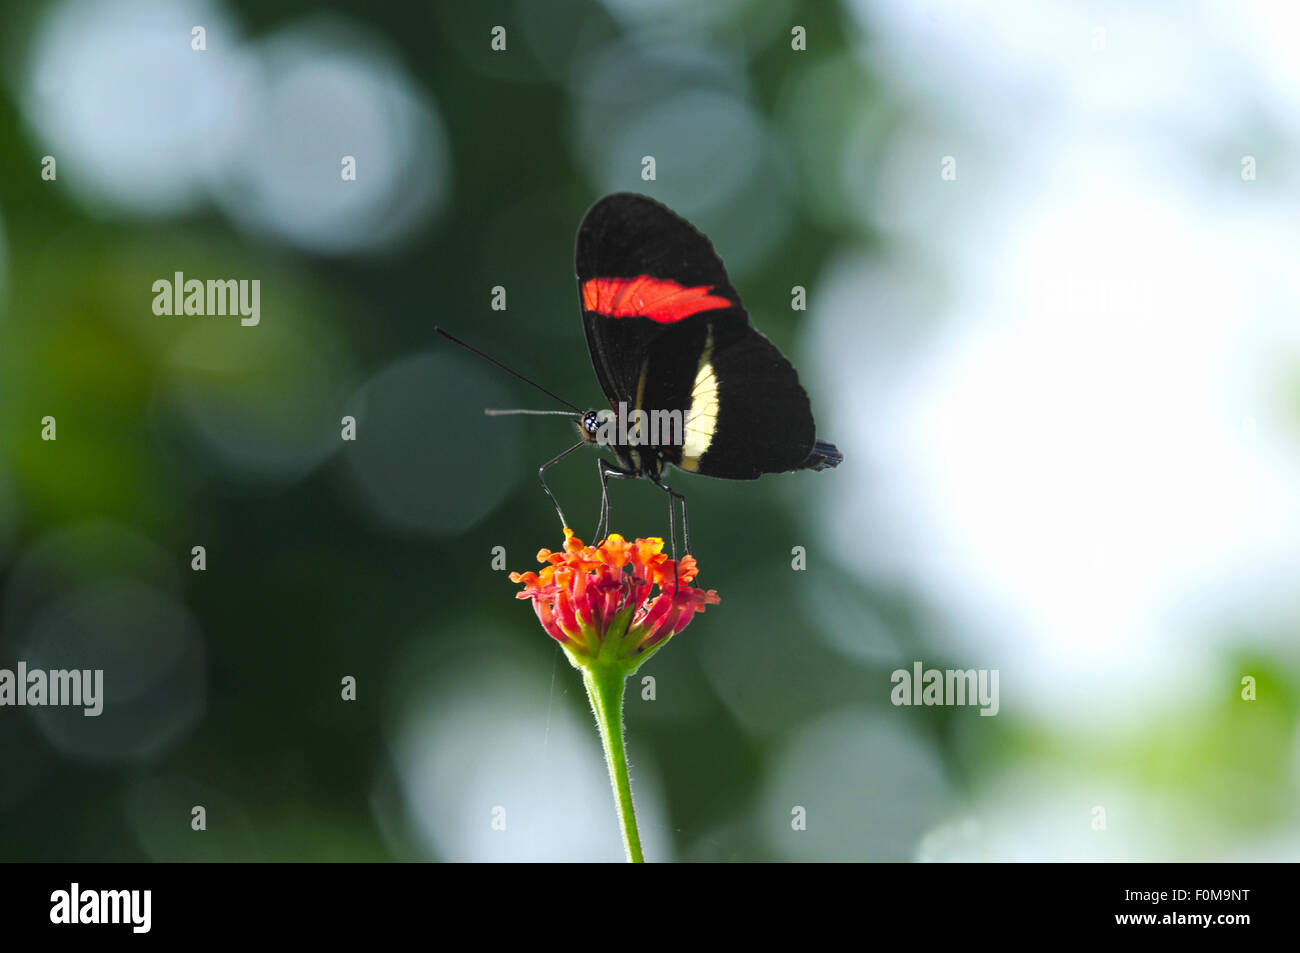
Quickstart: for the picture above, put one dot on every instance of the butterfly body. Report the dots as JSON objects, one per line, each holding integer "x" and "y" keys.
{"x": 673, "y": 348}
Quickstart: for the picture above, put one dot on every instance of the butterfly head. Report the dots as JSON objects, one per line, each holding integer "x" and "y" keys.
{"x": 588, "y": 425}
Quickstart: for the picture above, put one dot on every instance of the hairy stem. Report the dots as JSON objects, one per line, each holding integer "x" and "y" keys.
{"x": 605, "y": 687}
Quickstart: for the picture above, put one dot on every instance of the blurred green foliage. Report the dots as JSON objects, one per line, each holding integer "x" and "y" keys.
{"x": 304, "y": 584}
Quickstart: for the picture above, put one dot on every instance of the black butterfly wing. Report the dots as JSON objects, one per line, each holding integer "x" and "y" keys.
{"x": 667, "y": 331}
{"x": 642, "y": 268}
{"x": 744, "y": 411}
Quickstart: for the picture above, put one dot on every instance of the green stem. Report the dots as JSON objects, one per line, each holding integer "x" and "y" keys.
{"x": 605, "y": 686}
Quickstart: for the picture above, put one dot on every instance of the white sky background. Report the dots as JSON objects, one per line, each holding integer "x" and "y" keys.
{"x": 1064, "y": 396}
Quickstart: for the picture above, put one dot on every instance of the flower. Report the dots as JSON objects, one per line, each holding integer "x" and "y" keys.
{"x": 597, "y": 601}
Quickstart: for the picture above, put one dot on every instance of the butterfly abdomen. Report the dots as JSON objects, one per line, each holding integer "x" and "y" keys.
{"x": 824, "y": 456}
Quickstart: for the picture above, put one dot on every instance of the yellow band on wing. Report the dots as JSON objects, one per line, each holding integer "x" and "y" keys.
{"x": 702, "y": 415}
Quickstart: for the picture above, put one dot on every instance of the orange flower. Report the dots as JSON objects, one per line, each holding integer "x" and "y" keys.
{"x": 597, "y": 601}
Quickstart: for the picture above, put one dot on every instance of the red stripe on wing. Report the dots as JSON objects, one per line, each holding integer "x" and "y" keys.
{"x": 658, "y": 299}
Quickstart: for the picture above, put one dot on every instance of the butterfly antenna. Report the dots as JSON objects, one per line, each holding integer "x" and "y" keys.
{"x": 509, "y": 370}
{"x": 493, "y": 412}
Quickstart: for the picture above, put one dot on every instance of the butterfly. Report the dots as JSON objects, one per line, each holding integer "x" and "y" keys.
{"x": 692, "y": 385}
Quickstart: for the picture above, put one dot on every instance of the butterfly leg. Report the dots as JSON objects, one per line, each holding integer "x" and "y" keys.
{"x": 541, "y": 475}
{"x": 606, "y": 471}
{"x": 672, "y": 528}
